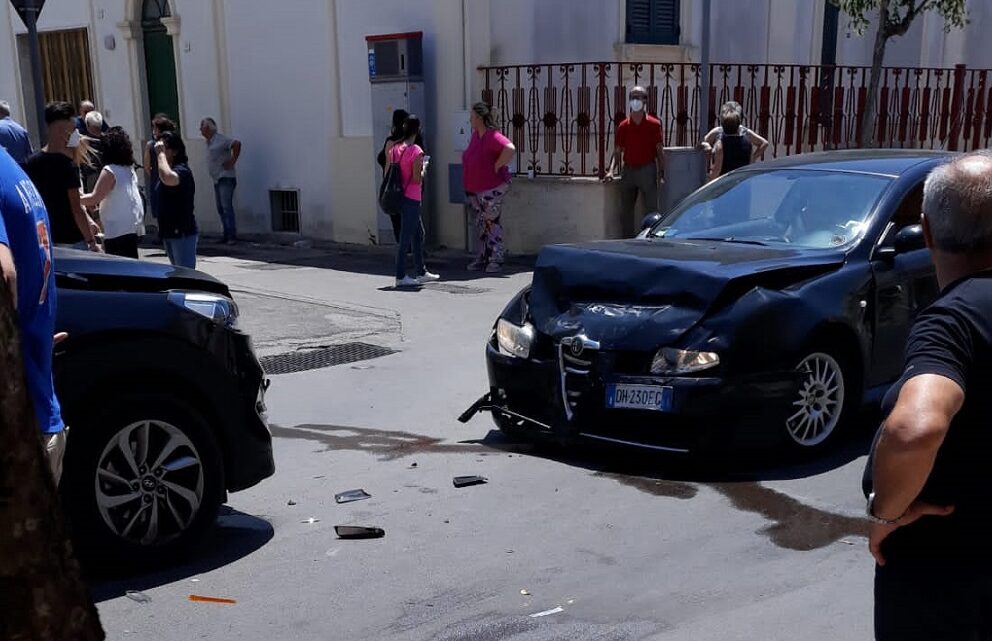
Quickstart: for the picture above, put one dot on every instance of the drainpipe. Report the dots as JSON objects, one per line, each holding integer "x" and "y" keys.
{"x": 467, "y": 55}
{"x": 30, "y": 10}
{"x": 704, "y": 73}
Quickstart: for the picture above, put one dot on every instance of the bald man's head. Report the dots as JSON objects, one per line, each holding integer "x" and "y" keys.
{"x": 957, "y": 204}
{"x": 85, "y": 107}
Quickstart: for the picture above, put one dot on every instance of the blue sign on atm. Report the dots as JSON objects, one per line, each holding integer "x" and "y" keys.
{"x": 371, "y": 63}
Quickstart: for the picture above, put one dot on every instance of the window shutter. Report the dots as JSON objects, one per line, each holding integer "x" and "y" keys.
{"x": 638, "y": 20}
{"x": 653, "y": 21}
{"x": 665, "y": 21}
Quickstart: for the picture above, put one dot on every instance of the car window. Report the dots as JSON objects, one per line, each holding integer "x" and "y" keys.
{"x": 910, "y": 209}
{"x": 909, "y": 212}
{"x": 806, "y": 208}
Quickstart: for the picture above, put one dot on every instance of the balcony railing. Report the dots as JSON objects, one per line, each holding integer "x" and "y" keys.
{"x": 563, "y": 117}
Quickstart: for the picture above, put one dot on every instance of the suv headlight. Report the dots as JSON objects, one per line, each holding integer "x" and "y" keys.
{"x": 219, "y": 309}
{"x": 669, "y": 360}
{"x": 514, "y": 340}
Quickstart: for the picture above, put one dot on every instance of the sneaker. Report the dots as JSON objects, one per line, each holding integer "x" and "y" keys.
{"x": 493, "y": 268}
{"x": 476, "y": 266}
{"x": 428, "y": 277}
{"x": 407, "y": 282}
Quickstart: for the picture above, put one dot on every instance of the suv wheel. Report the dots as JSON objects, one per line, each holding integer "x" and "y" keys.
{"x": 144, "y": 481}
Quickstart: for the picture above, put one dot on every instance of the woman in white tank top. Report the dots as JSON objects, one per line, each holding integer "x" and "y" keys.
{"x": 116, "y": 194}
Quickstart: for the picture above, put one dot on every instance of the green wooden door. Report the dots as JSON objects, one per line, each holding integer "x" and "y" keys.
{"x": 160, "y": 72}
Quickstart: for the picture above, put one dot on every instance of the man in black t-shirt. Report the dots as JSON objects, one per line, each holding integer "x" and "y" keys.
{"x": 929, "y": 476}
{"x": 57, "y": 180}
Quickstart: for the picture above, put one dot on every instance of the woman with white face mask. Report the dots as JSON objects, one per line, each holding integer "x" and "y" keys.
{"x": 640, "y": 155}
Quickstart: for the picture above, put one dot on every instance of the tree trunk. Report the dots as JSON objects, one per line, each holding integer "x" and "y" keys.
{"x": 865, "y": 138}
{"x": 42, "y": 595}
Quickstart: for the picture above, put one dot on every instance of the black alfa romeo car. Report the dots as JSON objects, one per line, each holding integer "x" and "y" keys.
{"x": 763, "y": 310}
{"x": 165, "y": 402}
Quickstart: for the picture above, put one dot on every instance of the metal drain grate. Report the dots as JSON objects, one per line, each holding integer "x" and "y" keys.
{"x": 292, "y": 362}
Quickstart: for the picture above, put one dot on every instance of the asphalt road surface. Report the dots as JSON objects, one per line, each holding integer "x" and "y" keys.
{"x": 603, "y": 544}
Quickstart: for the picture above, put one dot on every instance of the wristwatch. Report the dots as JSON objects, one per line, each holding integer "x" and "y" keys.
{"x": 870, "y": 513}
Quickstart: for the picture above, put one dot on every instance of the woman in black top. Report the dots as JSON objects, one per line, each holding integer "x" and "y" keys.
{"x": 160, "y": 124}
{"x": 733, "y": 148}
{"x": 176, "y": 190}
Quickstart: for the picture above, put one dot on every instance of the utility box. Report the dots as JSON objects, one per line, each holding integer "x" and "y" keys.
{"x": 396, "y": 73}
{"x": 685, "y": 172}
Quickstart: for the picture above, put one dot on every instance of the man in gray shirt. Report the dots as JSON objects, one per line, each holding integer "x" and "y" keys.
{"x": 222, "y": 156}
{"x": 13, "y": 137}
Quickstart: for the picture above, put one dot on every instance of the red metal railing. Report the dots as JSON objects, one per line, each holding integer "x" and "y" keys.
{"x": 562, "y": 117}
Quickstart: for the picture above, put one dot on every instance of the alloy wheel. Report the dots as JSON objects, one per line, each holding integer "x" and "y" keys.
{"x": 820, "y": 401}
{"x": 149, "y": 483}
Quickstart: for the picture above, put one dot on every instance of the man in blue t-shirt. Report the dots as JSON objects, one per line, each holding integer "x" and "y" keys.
{"x": 13, "y": 137}
{"x": 26, "y": 265}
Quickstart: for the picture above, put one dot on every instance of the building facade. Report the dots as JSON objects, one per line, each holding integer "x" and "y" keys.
{"x": 290, "y": 79}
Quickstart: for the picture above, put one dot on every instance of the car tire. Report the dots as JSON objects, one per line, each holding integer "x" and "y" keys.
{"x": 126, "y": 513}
{"x": 828, "y": 397}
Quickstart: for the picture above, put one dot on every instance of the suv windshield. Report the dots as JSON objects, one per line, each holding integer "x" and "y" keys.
{"x": 807, "y": 208}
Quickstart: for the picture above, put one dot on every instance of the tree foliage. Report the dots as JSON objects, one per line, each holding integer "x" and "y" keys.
{"x": 901, "y": 13}
{"x": 895, "y": 17}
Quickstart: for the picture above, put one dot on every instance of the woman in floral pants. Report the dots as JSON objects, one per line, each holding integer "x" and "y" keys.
{"x": 486, "y": 175}
{"x": 488, "y": 208}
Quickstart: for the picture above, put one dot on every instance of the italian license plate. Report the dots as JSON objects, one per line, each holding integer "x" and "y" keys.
{"x": 656, "y": 398}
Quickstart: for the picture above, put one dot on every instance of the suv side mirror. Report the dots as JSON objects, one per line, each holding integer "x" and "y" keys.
{"x": 650, "y": 220}
{"x": 910, "y": 239}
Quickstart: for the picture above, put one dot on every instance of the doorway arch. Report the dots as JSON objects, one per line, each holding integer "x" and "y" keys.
{"x": 160, "y": 59}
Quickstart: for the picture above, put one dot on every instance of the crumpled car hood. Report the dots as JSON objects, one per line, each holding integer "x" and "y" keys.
{"x": 638, "y": 294}
{"x": 86, "y": 270}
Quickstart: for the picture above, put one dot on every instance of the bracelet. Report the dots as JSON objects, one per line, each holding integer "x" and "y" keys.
{"x": 870, "y": 513}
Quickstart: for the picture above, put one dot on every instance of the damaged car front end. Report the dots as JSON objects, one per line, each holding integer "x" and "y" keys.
{"x": 747, "y": 317}
{"x": 649, "y": 374}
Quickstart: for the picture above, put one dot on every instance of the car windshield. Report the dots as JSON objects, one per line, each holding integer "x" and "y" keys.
{"x": 805, "y": 208}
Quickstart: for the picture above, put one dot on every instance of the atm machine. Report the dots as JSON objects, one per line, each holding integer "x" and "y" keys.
{"x": 396, "y": 71}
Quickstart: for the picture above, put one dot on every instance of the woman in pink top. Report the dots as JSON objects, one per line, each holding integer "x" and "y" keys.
{"x": 410, "y": 157}
{"x": 486, "y": 174}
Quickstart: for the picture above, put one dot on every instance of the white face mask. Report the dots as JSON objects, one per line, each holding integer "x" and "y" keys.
{"x": 74, "y": 139}
{"x": 636, "y": 104}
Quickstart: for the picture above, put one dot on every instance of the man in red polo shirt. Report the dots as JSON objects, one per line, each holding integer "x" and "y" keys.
{"x": 640, "y": 151}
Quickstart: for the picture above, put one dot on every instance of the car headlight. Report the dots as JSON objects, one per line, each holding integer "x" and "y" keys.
{"x": 219, "y": 309}
{"x": 514, "y": 340}
{"x": 669, "y": 360}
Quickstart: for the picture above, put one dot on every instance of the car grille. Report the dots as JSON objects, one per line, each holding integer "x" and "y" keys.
{"x": 576, "y": 358}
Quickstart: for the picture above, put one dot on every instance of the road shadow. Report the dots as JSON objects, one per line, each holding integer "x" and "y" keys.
{"x": 236, "y": 536}
{"x": 370, "y": 260}
{"x": 742, "y": 465}
{"x": 792, "y": 524}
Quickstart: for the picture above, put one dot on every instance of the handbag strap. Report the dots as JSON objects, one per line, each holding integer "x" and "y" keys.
{"x": 397, "y": 163}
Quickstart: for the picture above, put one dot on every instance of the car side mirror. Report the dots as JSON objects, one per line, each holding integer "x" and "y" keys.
{"x": 650, "y": 220}
{"x": 909, "y": 239}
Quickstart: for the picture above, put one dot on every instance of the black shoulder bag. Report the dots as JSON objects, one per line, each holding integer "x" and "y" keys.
{"x": 392, "y": 190}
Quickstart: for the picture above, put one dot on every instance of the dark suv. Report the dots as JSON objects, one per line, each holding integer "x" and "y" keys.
{"x": 165, "y": 402}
